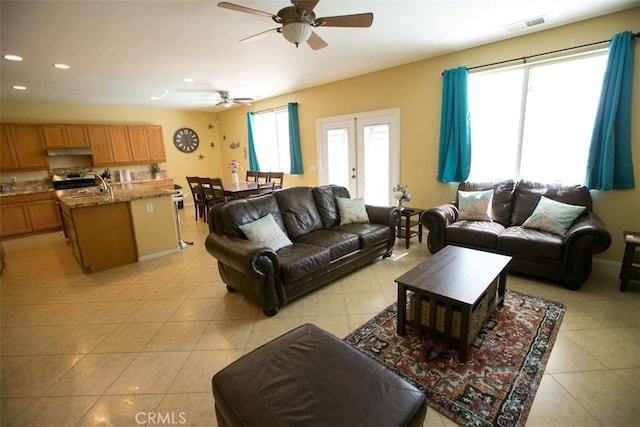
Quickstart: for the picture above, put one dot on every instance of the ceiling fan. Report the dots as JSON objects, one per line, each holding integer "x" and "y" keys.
{"x": 226, "y": 101}
{"x": 297, "y": 22}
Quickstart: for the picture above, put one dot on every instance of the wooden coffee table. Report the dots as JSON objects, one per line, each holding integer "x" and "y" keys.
{"x": 455, "y": 291}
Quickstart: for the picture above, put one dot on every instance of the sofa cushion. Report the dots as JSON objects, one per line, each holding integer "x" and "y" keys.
{"x": 352, "y": 211}
{"x": 267, "y": 231}
{"x": 518, "y": 240}
{"x": 298, "y": 209}
{"x": 338, "y": 242}
{"x": 481, "y": 234}
{"x": 501, "y": 203}
{"x": 369, "y": 234}
{"x": 475, "y": 205}
{"x": 325, "y": 197}
{"x": 300, "y": 260}
{"x": 554, "y": 217}
{"x": 527, "y": 195}
{"x": 244, "y": 211}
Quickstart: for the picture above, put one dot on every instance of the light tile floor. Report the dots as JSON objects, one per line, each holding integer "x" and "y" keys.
{"x": 139, "y": 344}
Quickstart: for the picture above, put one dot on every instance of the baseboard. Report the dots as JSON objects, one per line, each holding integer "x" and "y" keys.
{"x": 158, "y": 255}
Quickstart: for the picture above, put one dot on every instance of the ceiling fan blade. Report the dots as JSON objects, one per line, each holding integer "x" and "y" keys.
{"x": 241, "y": 102}
{"x": 259, "y": 35}
{"x": 316, "y": 42}
{"x": 358, "y": 20}
{"x": 243, "y": 99}
{"x": 238, "y": 8}
{"x": 306, "y": 5}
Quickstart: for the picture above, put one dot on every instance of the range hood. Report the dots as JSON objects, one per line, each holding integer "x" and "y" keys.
{"x": 53, "y": 152}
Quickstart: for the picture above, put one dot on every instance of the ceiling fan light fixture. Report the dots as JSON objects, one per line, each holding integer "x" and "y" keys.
{"x": 227, "y": 103}
{"x": 296, "y": 32}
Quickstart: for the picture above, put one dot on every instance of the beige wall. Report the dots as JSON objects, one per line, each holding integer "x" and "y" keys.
{"x": 414, "y": 88}
{"x": 155, "y": 231}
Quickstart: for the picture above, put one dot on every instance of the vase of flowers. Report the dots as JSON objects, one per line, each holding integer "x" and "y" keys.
{"x": 235, "y": 167}
{"x": 401, "y": 194}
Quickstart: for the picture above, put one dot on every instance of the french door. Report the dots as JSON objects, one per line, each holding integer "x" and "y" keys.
{"x": 361, "y": 152}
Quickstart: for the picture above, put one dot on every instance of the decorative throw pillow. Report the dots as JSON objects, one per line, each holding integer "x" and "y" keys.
{"x": 267, "y": 231}
{"x": 554, "y": 217}
{"x": 352, "y": 211}
{"x": 475, "y": 205}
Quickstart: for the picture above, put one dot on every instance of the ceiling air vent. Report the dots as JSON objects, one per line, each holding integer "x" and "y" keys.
{"x": 523, "y": 25}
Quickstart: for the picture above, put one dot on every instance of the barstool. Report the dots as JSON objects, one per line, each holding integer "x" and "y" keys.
{"x": 178, "y": 197}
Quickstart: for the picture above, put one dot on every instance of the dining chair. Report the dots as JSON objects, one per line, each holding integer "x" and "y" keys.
{"x": 263, "y": 177}
{"x": 277, "y": 178}
{"x": 196, "y": 192}
{"x": 212, "y": 193}
{"x": 266, "y": 187}
{"x": 252, "y": 176}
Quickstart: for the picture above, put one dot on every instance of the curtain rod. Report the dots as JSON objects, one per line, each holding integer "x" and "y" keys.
{"x": 524, "y": 58}
{"x": 268, "y": 110}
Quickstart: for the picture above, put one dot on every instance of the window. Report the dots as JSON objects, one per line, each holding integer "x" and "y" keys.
{"x": 271, "y": 140}
{"x": 535, "y": 121}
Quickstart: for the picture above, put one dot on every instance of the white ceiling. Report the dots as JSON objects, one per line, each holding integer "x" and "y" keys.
{"x": 122, "y": 53}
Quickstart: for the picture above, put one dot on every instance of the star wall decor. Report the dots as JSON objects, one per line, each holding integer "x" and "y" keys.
{"x": 201, "y": 157}
{"x": 210, "y": 126}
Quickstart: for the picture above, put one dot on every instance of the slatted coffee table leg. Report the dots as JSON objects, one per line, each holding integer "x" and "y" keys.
{"x": 402, "y": 308}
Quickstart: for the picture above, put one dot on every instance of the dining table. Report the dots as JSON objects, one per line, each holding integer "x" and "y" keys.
{"x": 240, "y": 190}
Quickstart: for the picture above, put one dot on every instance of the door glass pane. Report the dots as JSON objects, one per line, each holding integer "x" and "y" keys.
{"x": 338, "y": 156}
{"x": 376, "y": 164}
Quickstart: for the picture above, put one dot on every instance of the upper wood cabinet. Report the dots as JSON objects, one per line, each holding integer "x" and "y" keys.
{"x": 24, "y": 145}
{"x": 100, "y": 145}
{"x": 120, "y": 146}
{"x": 138, "y": 141}
{"x": 65, "y": 136}
{"x": 155, "y": 142}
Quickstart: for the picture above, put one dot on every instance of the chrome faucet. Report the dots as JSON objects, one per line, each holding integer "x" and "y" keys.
{"x": 107, "y": 187}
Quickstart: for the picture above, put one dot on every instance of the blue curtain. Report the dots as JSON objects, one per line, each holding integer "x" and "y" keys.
{"x": 294, "y": 139}
{"x": 609, "y": 165}
{"x": 454, "y": 157}
{"x": 253, "y": 159}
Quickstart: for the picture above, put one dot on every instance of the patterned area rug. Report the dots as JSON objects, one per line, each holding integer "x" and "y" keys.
{"x": 497, "y": 384}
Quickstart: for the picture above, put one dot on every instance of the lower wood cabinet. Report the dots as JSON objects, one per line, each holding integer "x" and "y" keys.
{"x": 28, "y": 214}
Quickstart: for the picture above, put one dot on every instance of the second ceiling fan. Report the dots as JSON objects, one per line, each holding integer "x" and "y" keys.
{"x": 298, "y": 20}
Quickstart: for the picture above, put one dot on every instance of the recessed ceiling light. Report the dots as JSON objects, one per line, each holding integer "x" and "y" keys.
{"x": 19, "y": 87}
{"x": 188, "y": 80}
{"x": 13, "y": 57}
{"x": 61, "y": 66}
{"x": 154, "y": 98}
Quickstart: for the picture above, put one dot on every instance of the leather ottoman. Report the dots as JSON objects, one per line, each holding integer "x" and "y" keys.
{"x": 308, "y": 377}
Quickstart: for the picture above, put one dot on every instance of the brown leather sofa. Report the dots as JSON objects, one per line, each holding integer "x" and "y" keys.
{"x": 566, "y": 259}
{"x": 322, "y": 249}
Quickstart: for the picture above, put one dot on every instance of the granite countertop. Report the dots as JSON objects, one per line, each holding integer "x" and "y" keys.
{"x": 85, "y": 197}
{"x": 26, "y": 188}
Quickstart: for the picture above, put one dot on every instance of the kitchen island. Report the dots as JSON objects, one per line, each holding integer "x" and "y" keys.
{"x": 136, "y": 224}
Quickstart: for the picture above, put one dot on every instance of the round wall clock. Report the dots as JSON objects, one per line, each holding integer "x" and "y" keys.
{"x": 186, "y": 140}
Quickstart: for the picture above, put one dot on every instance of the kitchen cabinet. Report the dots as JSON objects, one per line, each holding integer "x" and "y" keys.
{"x": 119, "y": 138}
{"x": 100, "y": 145}
{"x": 28, "y": 214}
{"x": 25, "y": 146}
{"x": 138, "y": 144}
{"x": 100, "y": 236}
{"x": 65, "y": 136}
{"x": 147, "y": 145}
{"x": 109, "y": 145}
{"x": 156, "y": 144}
{"x": 7, "y": 156}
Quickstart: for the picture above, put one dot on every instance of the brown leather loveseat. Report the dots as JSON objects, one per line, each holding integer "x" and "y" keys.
{"x": 564, "y": 257}
{"x": 317, "y": 248}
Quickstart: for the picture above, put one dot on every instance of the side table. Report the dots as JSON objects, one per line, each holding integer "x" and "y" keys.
{"x": 632, "y": 243}
{"x": 410, "y": 225}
